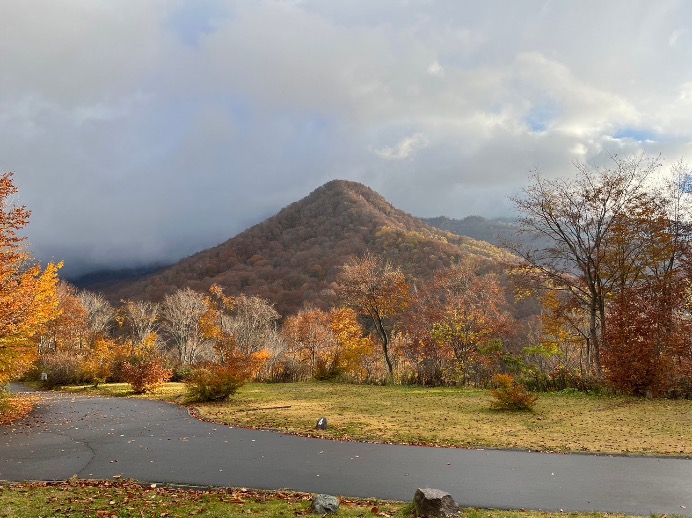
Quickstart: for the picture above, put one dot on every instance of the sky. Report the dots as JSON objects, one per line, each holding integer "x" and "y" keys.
{"x": 143, "y": 131}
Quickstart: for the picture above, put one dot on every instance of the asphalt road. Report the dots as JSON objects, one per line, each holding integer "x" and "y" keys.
{"x": 157, "y": 442}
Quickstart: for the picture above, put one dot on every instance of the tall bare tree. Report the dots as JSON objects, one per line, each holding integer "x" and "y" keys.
{"x": 181, "y": 314}
{"x": 100, "y": 314}
{"x": 140, "y": 318}
{"x": 577, "y": 217}
{"x": 252, "y": 322}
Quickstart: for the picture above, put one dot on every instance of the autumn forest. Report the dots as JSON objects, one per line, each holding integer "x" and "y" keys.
{"x": 590, "y": 291}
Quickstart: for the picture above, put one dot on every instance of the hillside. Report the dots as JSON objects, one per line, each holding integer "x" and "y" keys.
{"x": 293, "y": 257}
{"x": 493, "y": 231}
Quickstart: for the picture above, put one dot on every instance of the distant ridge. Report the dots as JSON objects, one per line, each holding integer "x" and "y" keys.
{"x": 102, "y": 279}
{"x": 494, "y": 231}
{"x": 293, "y": 258}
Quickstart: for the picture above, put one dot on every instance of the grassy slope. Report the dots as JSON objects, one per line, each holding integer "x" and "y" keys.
{"x": 454, "y": 417}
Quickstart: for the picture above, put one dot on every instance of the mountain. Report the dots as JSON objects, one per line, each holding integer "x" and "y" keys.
{"x": 494, "y": 231}
{"x": 102, "y": 279}
{"x": 294, "y": 257}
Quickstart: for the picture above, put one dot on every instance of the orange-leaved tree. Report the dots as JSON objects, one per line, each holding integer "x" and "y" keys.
{"x": 377, "y": 290}
{"x": 231, "y": 366}
{"x": 328, "y": 343}
{"x": 473, "y": 315}
{"x": 27, "y": 292}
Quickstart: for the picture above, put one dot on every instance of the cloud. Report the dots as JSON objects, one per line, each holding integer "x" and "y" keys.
{"x": 406, "y": 148}
{"x": 145, "y": 131}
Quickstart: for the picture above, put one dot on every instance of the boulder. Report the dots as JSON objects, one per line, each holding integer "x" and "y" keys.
{"x": 325, "y": 504}
{"x": 321, "y": 423}
{"x": 434, "y": 503}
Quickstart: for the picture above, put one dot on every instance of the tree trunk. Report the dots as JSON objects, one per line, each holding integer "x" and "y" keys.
{"x": 385, "y": 346}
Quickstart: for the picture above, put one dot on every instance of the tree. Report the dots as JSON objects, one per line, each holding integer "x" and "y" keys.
{"x": 68, "y": 328}
{"x": 473, "y": 315}
{"x": 564, "y": 329}
{"x": 328, "y": 342}
{"x": 99, "y": 314}
{"x": 27, "y": 293}
{"x": 578, "y": 218}
{"x": 144, "y": 368}
{"x": 232, "y": 366}
{"x": 647, "y": 351}
{"x": 181, "y": 314}
{"x": 252, "y": 322}
{"x": 377, "y": 290}
{"x": 139, "y": 318}
{"x": 309, "y": 336}
{"x": 352, "y": 346}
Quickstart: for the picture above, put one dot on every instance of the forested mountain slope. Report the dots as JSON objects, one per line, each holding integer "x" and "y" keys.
{"x": 293, "y": 257}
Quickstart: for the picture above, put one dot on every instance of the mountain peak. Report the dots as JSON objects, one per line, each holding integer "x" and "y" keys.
{"x": 294, "y": 256}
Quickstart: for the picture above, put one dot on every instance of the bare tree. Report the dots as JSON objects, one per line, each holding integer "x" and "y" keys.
{"x": 181, "y": 313}
{"x": 252, "y": 322}
{"x": 100, "y": 313}
{"x": 577, "y": 217}
{"x": 140, "y": 318}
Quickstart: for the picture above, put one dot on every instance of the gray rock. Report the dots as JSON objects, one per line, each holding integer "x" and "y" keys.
{"x": 321, "y": 423}
{"x": 325, "y": 504}
{"x": 434, "y": 503}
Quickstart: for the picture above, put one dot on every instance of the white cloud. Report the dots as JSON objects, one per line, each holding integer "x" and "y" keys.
{"x": 406, "y": 148}
{"x": 435, "y": 69}
{"x": 153, "y": 128}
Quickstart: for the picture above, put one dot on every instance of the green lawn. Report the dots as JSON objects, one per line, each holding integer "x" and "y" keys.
{"x": 451, "y": 417}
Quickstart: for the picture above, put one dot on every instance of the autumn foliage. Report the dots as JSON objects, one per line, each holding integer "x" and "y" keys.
{"x": 606, "y": 304}
{"x": 615, "y": 275}
{"x": 326, "y": 344}
{"x": 27, "y": 293}
{"x": 508, "y": 394}
{"x": 214, "y": 382}
{"x": 378, "y": 291}
{"x": 145, "y": 369}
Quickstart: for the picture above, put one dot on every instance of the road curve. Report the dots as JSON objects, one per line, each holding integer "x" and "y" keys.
{"x": 98, "y": 438}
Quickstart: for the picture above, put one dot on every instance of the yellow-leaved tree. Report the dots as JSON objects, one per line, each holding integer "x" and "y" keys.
{"x": 27, "y": 292}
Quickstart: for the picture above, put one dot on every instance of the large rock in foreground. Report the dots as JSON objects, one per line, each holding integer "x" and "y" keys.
{"x": 325, "y": 504}
{"x": 434, "y": 503}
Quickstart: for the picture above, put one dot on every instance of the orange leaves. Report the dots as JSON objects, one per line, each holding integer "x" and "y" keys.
{"x": 648, "y": 348}
{"x": 27, "y": 293}
{"x": 311, "y": 341}
{"x": 98, "y": 360}
{"x": 326, "y": 343}
{"x": 376, "y": 289}
{"x": 457, "y": 318}
{"x": 510, "y": 395}
{"x": 13, "y": 408}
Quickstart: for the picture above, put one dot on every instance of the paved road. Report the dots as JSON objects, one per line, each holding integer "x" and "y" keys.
{"x": 157, "y": 442}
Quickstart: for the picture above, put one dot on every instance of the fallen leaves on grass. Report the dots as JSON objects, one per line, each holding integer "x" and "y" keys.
{"x": 14, "y": 408}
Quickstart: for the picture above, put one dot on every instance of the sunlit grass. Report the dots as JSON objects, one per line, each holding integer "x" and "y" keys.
{"x": 451, "y": 417}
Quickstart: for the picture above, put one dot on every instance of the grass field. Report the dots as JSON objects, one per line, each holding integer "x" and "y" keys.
{"x": 451, "y": 417}
{"x": 81, "y": 498}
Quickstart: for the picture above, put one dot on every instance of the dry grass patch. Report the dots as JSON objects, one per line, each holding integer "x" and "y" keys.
{"x": 461, "y": 417}
{"x": 172, "y": 392}
{"x": 450, "y": 417}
